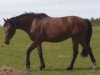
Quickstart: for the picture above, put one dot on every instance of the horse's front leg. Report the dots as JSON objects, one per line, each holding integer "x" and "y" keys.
{"x": 33, "y": 46}
{"x": 39, "y": 48}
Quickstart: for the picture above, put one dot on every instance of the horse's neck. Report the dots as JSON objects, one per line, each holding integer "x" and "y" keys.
{"x": 24, "y": 26}
{"x": 24, "y": 22}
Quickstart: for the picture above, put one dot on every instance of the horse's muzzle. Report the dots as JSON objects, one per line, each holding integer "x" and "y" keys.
{"x": 7, "y": 42}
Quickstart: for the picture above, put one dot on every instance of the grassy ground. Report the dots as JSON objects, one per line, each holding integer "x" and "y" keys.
{"x": 57, "y": 56}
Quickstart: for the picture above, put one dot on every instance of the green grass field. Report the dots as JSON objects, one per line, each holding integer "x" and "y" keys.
{"x": 57, "y": 56}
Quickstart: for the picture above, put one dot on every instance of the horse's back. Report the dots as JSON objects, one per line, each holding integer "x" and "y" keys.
{"x": 55, "y": 29}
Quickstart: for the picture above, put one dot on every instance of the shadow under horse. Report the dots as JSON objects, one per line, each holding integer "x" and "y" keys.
{"x": 42, "y": 28}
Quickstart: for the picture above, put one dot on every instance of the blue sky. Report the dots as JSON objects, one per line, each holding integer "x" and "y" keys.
{"x": 54, "y": 8}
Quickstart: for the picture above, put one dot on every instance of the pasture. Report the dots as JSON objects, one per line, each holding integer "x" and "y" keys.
{"x": 57, "y": 56}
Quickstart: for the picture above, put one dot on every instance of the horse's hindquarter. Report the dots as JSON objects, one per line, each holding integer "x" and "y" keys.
{"x": 57, "y": 29}
{"x": 79, "y": 26}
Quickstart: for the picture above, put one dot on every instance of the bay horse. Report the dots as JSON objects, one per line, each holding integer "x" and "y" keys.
{"x": 42, "y": 28}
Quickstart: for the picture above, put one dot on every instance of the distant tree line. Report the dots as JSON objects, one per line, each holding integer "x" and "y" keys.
{"x": 95, "y": 21}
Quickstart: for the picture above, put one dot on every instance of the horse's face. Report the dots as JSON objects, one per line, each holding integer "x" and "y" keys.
{"x": 9, "y": 29}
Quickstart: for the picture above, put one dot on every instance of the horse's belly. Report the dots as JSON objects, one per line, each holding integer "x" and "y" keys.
{"x": 57, "y": 38}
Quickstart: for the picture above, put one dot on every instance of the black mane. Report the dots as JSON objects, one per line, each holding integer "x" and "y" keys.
{"x": 36, "y": 15}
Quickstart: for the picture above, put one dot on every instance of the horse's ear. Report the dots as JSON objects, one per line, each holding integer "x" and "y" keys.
{"x": 7, "y": 19}
{"x": 4, "y": 19}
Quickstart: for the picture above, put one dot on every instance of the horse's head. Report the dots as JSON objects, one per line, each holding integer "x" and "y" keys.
{"x": 9, "y": 28}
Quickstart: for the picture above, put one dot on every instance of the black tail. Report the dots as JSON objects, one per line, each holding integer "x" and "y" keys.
{"x": 84, "y": 53}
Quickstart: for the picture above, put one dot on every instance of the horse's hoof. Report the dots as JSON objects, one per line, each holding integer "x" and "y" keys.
{"x": 28, "y": 67}
{"x": 41, "y": 67}
{"x": 69, "y": 68}
{"x": 94, "y": 66}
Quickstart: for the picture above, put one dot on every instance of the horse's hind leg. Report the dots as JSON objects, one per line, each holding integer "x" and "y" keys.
{"x": 89, "y": 50}
{"x": 75, "y": 52}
